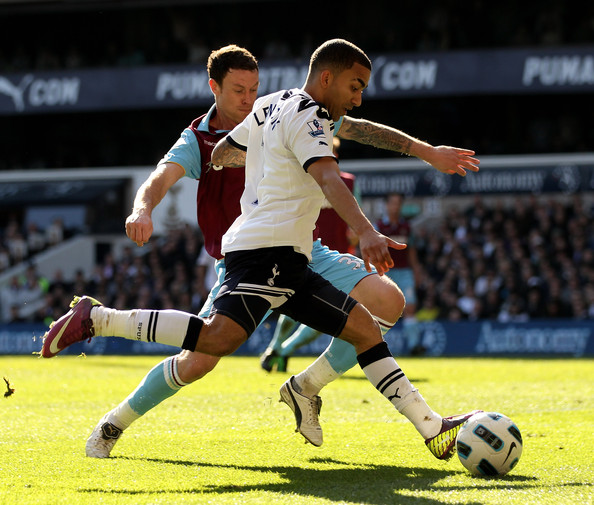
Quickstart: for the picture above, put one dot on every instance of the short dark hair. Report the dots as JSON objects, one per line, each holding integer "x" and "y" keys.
{"x": 337, "y": 55}
{"x": 229, "y": 57}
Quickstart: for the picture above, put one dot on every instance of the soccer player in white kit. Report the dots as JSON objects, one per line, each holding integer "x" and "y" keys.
{"x": 289, "y": 171}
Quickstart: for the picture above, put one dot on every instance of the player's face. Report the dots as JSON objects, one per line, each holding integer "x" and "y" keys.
{"x": 237, "y": 94}
{"x": 393, "y": 205}
{"x": 346, "y": 90}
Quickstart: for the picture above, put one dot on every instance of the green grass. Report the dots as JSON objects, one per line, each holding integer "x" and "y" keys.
{"x": 227, "y": 440}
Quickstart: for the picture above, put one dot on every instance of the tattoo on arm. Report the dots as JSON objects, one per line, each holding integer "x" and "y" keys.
{"x": 377, "y": 135}
{"x": 229, "y": 155}
{"x": 236, "y": 158}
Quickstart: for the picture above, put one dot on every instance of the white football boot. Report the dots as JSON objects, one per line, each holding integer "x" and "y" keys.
{"x": 104, "y": 437}
{"x": 306, "y": 412}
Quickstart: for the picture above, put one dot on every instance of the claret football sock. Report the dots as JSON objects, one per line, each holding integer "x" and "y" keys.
{"x": 384, "y": 373}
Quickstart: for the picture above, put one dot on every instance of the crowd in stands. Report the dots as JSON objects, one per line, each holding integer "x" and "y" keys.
{"x": 530, "y": 261}
{"x": 19, "y": 242}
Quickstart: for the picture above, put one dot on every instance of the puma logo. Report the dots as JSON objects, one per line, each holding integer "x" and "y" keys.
{"x": 110, "y": 431}
{"x": 395, "y": 395}
{"x": 15, "y": 92}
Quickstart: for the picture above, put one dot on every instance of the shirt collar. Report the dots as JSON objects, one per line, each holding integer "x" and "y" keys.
{"x": 203, "y": 125}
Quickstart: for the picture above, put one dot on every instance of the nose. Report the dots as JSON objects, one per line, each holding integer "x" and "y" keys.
{"x": 357, "y": 99}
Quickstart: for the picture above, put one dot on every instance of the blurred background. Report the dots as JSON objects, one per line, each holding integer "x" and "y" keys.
{"x": 94, "y": 93}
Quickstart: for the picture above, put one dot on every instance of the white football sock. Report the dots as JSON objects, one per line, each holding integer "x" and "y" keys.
{"x": 339, "y": 357}
{"x": 317, "y": 375}
{"x": 163, "y": 326}
{"x": 384, "y": 373}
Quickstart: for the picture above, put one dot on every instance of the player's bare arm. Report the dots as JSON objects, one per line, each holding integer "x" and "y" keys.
{"x": 445, "y": 159}
{"x": 139, "y": 224}
{"x": 227, "y": 155}
{"x": 373, "y": 245}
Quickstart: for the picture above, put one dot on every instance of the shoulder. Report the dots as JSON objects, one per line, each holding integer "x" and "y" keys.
{"x": 199, "y": 124}
{"x": 266, "y": 100}
{"x": 305, "y": 103}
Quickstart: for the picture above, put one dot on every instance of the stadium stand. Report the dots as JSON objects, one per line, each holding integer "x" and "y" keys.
{"x": 530, "y": 260}
{"x": 533, "y": 260}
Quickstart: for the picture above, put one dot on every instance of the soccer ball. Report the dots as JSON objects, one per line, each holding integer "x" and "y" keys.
{"x": 489, "y": 444}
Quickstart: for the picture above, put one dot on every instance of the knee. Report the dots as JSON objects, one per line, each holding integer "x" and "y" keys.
{"x": 381, "y": 296}
{"x": 193, "y": 366}
{"x": 220, "y": 337}
{"x": 395, "y": 300}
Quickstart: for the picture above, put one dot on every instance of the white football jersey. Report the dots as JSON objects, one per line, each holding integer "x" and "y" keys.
{"x": 284, "y": 134}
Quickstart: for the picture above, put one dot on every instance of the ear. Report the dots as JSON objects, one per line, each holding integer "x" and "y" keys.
{"x": 326, "y": 78}
{"x": 214, "y": 87}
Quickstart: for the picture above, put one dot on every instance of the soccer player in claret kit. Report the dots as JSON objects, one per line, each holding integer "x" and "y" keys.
{"x": 268, "y": 247}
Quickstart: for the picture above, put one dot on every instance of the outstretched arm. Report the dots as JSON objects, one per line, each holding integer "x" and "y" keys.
{"x": 446, "y": 159}
{"x": 139, "y": 224}
{"x": 373, "y": 245}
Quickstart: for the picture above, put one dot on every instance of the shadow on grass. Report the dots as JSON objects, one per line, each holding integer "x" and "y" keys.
{"x": 414, "y": 380}
{"x": 371, "y": 484}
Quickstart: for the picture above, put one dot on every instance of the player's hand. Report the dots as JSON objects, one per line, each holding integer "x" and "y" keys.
{"x": 453, "y": 160}
{"x": 374, "y": 249}
{"x": 139, "y": 228}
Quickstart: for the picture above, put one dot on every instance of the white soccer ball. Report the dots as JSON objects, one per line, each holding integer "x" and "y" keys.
{"x": 489, "y": 444}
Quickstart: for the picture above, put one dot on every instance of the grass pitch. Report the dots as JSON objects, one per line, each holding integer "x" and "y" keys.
{"x": 227, "y": 440}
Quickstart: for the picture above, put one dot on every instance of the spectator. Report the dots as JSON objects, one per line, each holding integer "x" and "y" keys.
{"x": 55, "y": 232}
{"x": 15, "y": 315}
{"x": 17, "y": 246}
{"x": 4, "y": 258}
{"x": 36, "y": 241}
{"x": 406, "y": 266}
{"x": 539, "y": 256}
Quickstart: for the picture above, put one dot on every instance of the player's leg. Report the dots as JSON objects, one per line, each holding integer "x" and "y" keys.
{"x": 219, "y": 335}
{"x": 405, "y": 279}
{"x": 353, "y": 323}
{"x": 233, "y": 319}
{"x": 162, "y": 381}
{"x": 166, "y": 378}
{"x": 384, "y": 300}
{"x": 89, "y": 318}
{"x": 380, "y": 295}
{"x": 303, "y": 335}
{"x": 384, "y": 373}
{"x": 271, "y": 357}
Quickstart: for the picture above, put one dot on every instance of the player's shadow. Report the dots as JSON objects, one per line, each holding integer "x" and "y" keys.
{"x": 372, "y": 484}
{"x": 413, "y": 380}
